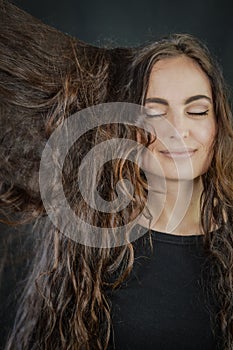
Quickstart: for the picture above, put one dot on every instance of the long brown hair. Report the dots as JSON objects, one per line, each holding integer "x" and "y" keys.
{"x": 45, "y": 77}
{"x": 217, "y": 196}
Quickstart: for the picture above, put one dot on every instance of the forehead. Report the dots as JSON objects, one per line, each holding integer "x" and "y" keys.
{"x": 176, "y": 76}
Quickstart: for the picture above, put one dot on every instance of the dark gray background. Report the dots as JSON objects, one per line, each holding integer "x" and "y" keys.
{"x": 118, "y": 23}
{"x": 129, "y": 23}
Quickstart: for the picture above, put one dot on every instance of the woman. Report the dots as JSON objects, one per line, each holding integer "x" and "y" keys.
{"x": 185, "y": 99}
{"x": 71, "y": 296}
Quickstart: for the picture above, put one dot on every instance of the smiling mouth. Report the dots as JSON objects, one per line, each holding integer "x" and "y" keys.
{"x": 179, "y": 153}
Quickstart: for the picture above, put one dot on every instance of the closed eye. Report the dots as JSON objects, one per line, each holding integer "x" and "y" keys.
{"x": 198, "y": 113}
{"x": 151, "y": 115}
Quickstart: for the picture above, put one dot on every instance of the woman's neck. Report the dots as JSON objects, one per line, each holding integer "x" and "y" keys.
{"x": 177, "y": 209}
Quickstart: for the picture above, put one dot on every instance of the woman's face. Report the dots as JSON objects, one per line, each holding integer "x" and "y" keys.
{"x": 179, "y": 106}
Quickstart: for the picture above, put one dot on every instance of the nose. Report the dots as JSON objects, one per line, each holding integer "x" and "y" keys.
{"x": 172, "y": 126}
{"x": 179, "y": 127}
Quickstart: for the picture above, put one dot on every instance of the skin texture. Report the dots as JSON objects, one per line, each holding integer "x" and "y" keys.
{"x": 180, "y": 113}
{"x": 187, "y": 136}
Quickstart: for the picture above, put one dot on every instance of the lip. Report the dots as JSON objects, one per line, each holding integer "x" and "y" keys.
{"x": 187, "y": 153}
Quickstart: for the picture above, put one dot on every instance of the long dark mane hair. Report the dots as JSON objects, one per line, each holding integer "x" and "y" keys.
{"x": 45, "y": 77}
{"x": 217, "y": 197}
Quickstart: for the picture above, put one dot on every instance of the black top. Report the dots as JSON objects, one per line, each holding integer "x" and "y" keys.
{"x": 162, "y": 305}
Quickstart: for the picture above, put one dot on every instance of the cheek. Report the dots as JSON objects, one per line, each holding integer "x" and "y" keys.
{"x": 206, "y": 135}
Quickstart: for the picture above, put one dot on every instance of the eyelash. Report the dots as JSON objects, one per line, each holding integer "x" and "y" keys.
{"x": 154, "y": 115}
{"x": 189, "y": 113}
{"x": 200, "y": 113}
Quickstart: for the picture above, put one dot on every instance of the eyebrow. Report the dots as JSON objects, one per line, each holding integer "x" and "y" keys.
{"x": 187, "y": 101}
